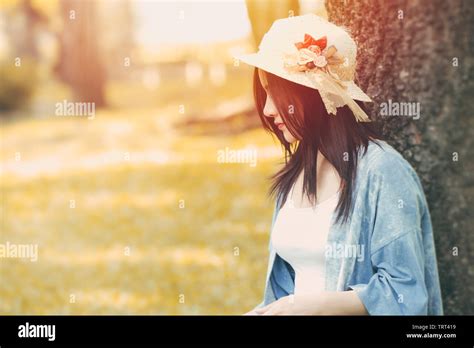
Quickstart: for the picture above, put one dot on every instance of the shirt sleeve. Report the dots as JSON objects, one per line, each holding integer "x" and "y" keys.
{"x": 397, "y": 286}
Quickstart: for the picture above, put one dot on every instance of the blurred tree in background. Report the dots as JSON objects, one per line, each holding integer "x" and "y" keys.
{"x": 24, "y": 40}
{"x": 262, "y": 14}
{"x": 19, "y": 77}
{"x": 421, "y": 51}
{"x": 79, "y": 63}
{"x": 116, "y": 36}
{"x": 16, "y": 85}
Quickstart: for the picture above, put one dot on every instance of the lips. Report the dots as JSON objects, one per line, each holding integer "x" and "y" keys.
{"x": 280, "y": 125}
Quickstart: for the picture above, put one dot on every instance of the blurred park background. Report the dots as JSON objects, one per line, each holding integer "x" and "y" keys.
{"x": 131, "y": 209}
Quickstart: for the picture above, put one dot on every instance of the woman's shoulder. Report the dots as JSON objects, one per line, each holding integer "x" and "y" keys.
{"x": 382, "y": 159}
{"x": 389, "y": 173}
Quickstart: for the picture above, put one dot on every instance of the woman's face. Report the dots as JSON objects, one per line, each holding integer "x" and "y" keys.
{"x": 270, "y": 110}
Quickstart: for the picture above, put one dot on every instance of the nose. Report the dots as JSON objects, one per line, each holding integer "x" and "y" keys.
{"x": 269, "y": 109}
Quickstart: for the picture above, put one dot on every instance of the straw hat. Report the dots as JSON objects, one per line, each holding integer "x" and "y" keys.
{"x": 312, "y": 52}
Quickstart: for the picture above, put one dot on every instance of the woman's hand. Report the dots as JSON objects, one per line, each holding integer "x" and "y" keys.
{"x": 252, "y": 312}
{"x": 311, "y": 304}
{"x": 320, "y": 303}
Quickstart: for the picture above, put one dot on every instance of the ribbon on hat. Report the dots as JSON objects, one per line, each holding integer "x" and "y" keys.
{"x": 315, "y": 60}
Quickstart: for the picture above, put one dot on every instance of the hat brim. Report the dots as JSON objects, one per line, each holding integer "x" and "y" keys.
{"x": 274, "y": 65}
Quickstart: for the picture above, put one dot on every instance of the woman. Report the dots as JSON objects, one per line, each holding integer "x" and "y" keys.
{"x": 351, "y": 230}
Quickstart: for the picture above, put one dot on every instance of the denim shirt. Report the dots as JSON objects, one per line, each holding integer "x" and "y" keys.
{"x": 385, "y": 251}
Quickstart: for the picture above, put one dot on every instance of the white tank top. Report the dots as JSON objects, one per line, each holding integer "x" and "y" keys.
{"x": 299, "y": 236}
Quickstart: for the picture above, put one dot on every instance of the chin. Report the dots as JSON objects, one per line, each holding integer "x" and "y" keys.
{"x": 288, "y": 137}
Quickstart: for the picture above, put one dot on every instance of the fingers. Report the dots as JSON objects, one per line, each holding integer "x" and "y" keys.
{"x": 252, "y": 312}
{"x": 272, "y": 311}
{"x": 263, "y": 309}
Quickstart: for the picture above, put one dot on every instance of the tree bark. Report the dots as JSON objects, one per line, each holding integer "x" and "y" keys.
{"x": 407, "y": 52}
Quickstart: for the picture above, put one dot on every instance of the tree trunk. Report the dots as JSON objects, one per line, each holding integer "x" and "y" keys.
{"x": 421, "y": 51}
{"x": 79, "y": 62}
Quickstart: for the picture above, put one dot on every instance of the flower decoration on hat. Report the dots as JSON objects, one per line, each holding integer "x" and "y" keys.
{"x": 313, "y": 54}
{"x": 315, "y": 57}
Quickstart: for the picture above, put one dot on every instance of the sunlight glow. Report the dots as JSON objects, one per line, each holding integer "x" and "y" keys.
{"x": 187, "y": 22}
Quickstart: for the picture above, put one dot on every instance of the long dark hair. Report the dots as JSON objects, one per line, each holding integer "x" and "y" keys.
{"x": 338, "y": 137}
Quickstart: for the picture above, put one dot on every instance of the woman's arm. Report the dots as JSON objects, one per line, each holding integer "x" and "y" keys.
{"x": 343, "y": 303}
{"x": 323, "y": 303}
